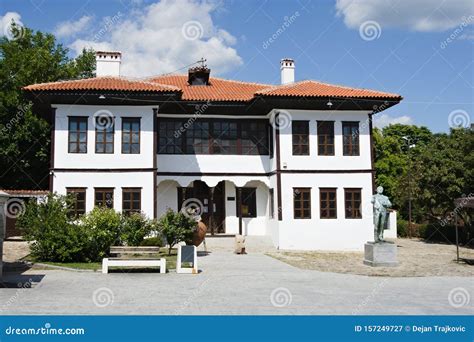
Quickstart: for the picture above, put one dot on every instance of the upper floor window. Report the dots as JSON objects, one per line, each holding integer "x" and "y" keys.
{"x": 254, "y": 137}
{"x": 77, "y": 139}
{"x": 78, "y": 205}
{"x": 326, "y": 138}
{"x": 327, "y": 203}
{"x": 352, "y": 202}
{"x": 213, "y": 137}
{"x": 104, "y": 135}
{"x": 302, "y": 203}
{"x": 104, "y": 197}
{"x": 131, "y": 200}
{"x": 350, "y": 136}
{"x": 198, "y": 138}
{"x": 131, "y": 135}
{"x": 170, "y": 135}
{"x": 300, "y": 132}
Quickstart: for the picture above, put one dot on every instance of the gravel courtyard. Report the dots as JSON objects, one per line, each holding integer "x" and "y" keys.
{"x": 416, "y": 258}
{"x": 233, "y": 284}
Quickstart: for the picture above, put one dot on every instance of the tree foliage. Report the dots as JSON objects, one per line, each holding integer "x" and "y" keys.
{"x": 432, "y": 169}
{"x": 32, "y": 57}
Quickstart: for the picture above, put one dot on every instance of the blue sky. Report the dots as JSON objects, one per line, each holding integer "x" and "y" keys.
{"x": 421, "y": 49}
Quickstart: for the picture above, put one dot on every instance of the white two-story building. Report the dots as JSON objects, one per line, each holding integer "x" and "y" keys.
{"x": 291, "y": 161}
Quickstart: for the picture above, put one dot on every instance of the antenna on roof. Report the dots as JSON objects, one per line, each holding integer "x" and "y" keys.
{"x": 202, "y": 61}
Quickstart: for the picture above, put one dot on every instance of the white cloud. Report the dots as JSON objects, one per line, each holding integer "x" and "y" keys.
{"x": 72, "y": 28}
{"x": 6, "y": 21}
{"x": 166, "y": 36}
{"x": 383, "y": 120}
{"x": 419, "y": 15}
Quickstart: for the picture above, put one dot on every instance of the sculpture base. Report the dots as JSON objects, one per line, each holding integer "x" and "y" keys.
{"x": 380, "y": 254}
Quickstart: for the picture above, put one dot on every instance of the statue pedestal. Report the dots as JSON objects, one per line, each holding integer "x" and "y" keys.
{"x": 380, "y": 254}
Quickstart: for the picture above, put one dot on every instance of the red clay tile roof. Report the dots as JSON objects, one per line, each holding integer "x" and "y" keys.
{"x": 103, "y": 83}
{"x": 218, "y": 89}
{"x": 25, "y": 192}
{"x": 318, "y": 89}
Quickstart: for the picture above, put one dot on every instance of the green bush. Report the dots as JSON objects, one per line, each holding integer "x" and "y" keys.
{"x": 153, "y": 241}
{"x": 102, "y": 228}
{"x": 176, "y": 227}
{"x": 438, "y": 232}
{"x": 48, "y": 227}
{"x": 135, "y": 227}
{"x": 402, "y": 227}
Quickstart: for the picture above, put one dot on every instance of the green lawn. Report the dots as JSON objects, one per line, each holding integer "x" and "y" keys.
{"x": 96, "y": 266}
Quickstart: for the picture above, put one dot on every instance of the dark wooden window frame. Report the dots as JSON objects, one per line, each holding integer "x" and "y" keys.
{"x": 271, "y": 198}
{"x": 252, "y": 205}
{"x": 262, "y": 145}
{"x": 325, "y": 210}
{"x": 132, "y": 119}
{"x": 103, "y": 201}
{"x": 77, "y": 142}
{"x": 298, "y": 144}
{"x": 351, "y": 148}
{"x": 355, "y": 211}
{"x": 298, "y": 204}
{"x": 74, "y": 211}
{"x": 131, "y": 190}
{"x": 103, "y": 132}
{"x": 325, "y": 148}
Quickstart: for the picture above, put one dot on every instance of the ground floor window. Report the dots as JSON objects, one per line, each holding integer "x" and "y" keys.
{"x": 327, "y": 203}
{"x": 352, "y": 201}
{"x": 249, "y": 202}
{"x": 271, "y": 197}
{"x": 131, "y": 200}
{"x": 78, "y": 205}
{"x": 302, "y": 203}
{"x": 104, "y": 197}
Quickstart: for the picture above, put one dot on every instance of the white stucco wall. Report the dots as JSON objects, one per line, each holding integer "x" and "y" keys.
{"x": 63, "y": 159}
{"x": 116, "y": 180}
{"x": 336, "y": 162}
{"x": 326, "y": 234}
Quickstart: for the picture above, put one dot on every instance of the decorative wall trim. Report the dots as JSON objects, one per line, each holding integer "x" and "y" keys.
{"x": 199, "y": 174}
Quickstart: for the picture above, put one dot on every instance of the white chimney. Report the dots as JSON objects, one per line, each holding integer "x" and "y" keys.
{"x": 108, "y": 63}
{"x": 287, "y": 67}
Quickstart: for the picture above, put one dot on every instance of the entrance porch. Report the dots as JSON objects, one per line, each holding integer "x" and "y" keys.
{"x": 227, "y": 207}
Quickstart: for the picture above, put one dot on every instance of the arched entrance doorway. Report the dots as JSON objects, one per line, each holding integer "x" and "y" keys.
{"x": 210, "y": 202}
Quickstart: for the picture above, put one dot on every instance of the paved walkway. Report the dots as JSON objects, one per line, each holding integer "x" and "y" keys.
{"x": 234, "y": 284}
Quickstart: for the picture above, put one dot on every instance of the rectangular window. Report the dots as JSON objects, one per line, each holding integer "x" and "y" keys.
{"x": 352, "y": 200}
{"x": 254, "y": 138}
{"x": 302, "y": 203}
{"x": 271, "y": 198}
{"x": 198, "y": 138}
{"x": 350, "y": 138}
{"x": 77, "y": 139}
{"x": 78, "y": 205}
{"x": 104, "y": 197}
{"x": 104, "y": 135}
{"x": 225, "y": 137}
{"x": 326, "y": 138}
{"x": 131, "y": 200}
{"x": 300, "y": 132}
{"x": 170, "y": 137}
{"x": 131, "y": 135}
{"x": 231, "y": 137}
{"x": 249, "y": 202}
{"x": 327, "y": 203}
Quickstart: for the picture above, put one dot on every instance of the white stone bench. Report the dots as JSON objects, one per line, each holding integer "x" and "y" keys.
{"x": 124, "y": 259}
{"x": 110, "y": 262}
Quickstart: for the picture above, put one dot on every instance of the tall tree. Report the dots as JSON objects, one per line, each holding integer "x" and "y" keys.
{"x": 30, "y": 57}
